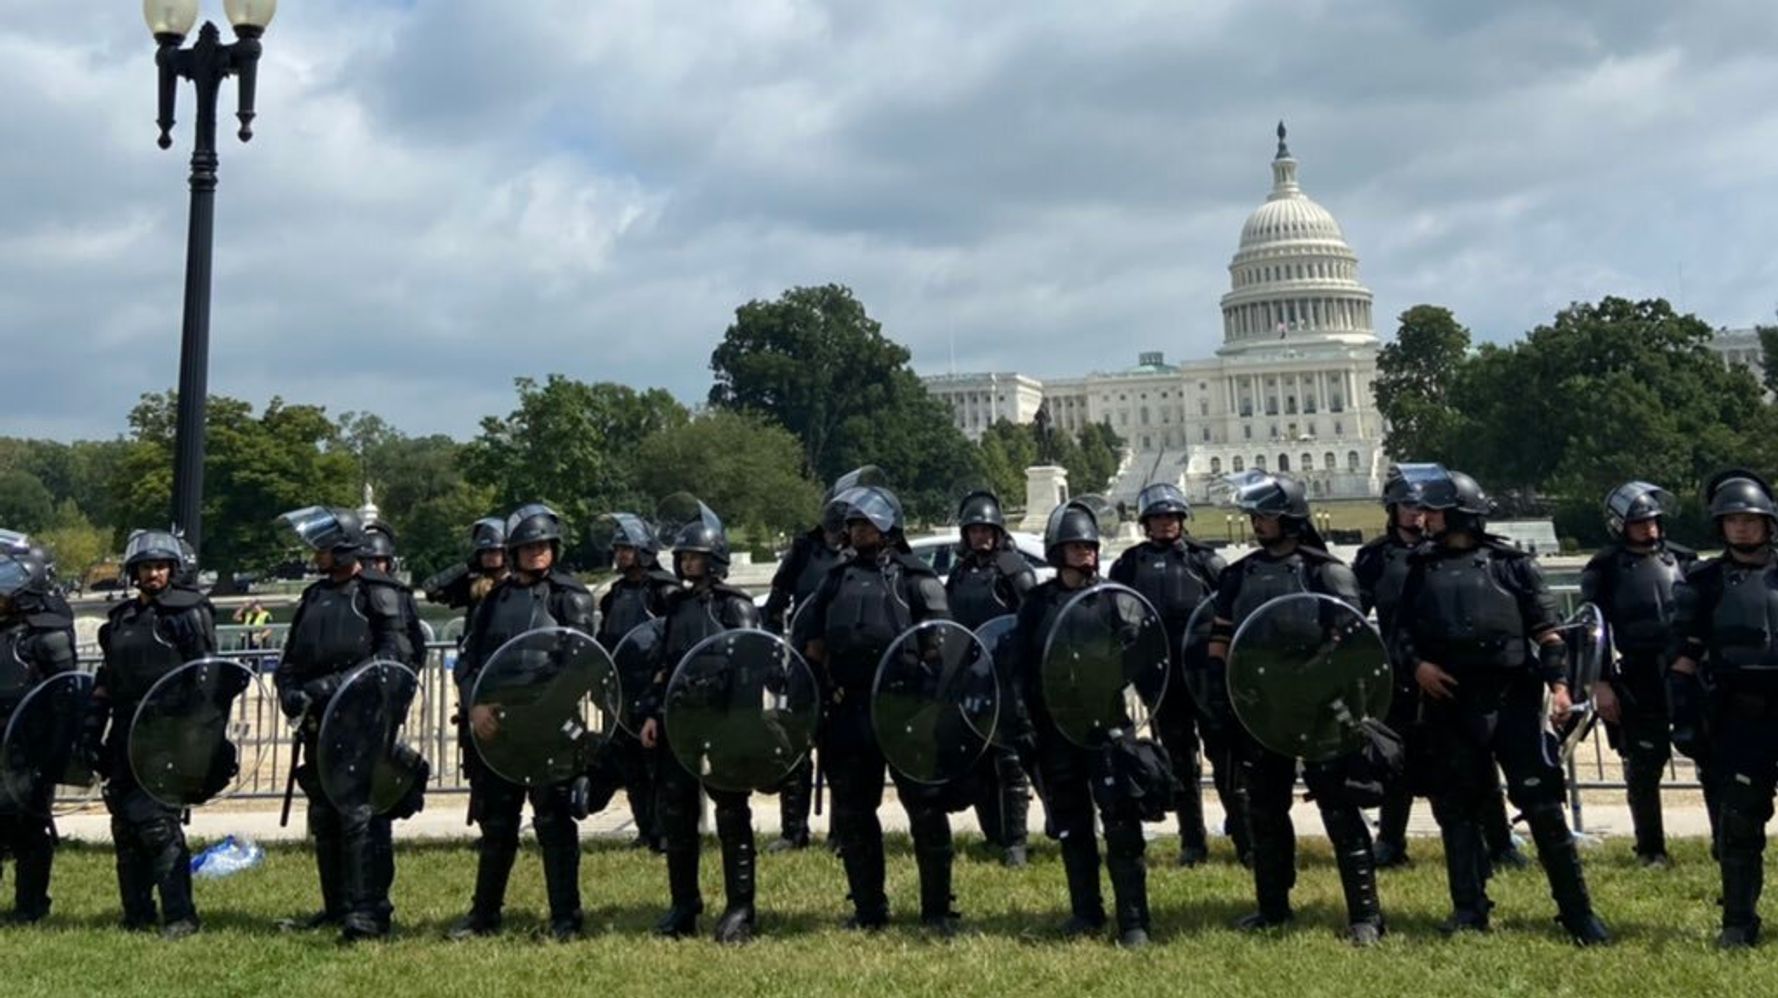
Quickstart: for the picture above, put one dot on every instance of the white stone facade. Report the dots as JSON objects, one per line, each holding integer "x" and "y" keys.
{"x": 1289, "y": 390}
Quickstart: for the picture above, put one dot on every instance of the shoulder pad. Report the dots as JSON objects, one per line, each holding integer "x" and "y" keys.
{"x": 1705, "y": 571}
{"x": 661, "y": 576}
{"x": 732, "y": 592}
{"x": 383, "y": 597}
{"x": 376, "y": 578}
{"x": 118, "y": 609}
{"x": 913, "y": 565}
{"x": 1318, "y": 556}
{"x": 562, "y": 580}
{"x": 49, "y": 619}
{"x": 1504, "y": 547}
{"x": 182, "y": 598}
{"x": 1681, "y": 552}
{"x": 1196, "y": 546}
{"x": 57, "y": 642}
{"x": 1376, "y": 543}
{"x": 1010, "y": 562}
{"x": 1603, "y": 556}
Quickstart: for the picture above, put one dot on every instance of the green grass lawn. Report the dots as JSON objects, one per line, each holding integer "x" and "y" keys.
{"x": 1664, "y": 920}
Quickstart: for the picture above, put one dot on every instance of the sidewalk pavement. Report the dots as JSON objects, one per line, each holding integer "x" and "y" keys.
{"x": 444, "y": 819}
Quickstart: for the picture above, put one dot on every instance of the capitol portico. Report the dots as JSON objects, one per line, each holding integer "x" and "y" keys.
{"x": 1289, "y": 390}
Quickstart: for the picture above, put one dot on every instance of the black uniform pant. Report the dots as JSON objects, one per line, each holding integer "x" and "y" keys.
{"x": 151, "y": 853}
{"x": 1406, "y": 717}
{"x": 1642, "y": 738}
{"x": 1498, "y": 716}
{"x": 795, "y": 797}
{"x": 354, "y": 855}
{"x": 854, "y": 766}
{"x": 1744, "y": 767}
{"x": 1178, "y": 725}
{"x": 1269, "y": 783}
{"x": 1068, "y": 772}
{"x": 637, "y": 769}
{"x": 679, "y": 807}
{"x": 499, "y": 805}
{"x": 1002, "y": 797}
{"x": 29, "y": 837}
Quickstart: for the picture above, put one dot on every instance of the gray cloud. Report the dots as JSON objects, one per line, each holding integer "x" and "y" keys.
{"x": 440, "y": 198}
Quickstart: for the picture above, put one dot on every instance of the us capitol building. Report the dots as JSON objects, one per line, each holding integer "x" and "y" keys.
{"x": 1289, "y": 390}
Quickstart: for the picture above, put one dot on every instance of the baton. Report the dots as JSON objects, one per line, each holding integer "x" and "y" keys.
{"x": 296, "y": 755}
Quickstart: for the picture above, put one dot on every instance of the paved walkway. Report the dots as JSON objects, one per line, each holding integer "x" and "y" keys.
{"x": 443, "y": 819}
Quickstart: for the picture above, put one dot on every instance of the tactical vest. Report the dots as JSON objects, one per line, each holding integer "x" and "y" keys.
{"x": 1170, "y": 580}
{"x": 515, "y": 610}
{"x": 1744, "y": 622}
{"x": 1265, "y": 579}
{"x": 1641, "y": 600}
{"x": 816, "y": 563}
{"x": 17, "y": 672}
{"x": 630, "y": 606}
{"x": 977, "y": 592}
{"x": 868, "y": 611}
{"x": 139, "y": 654}
{"x": 332, "y": 633}
{"x": 1387, "y": 592}
{"x": 1465, "y": 618}
{"x": 693, "y": 618}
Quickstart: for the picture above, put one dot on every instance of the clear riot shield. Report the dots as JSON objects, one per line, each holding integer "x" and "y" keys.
{"x": 637, "y": 658}
{"x": 935, "y": 701}
{"x": 37, "y": 750}
{"x": 1305, "y": 671}
{"x": 362, "y": 755}
{"x": 1105, "y": 665}
{"x": 189, "y": 742}
{"x": 741, "y": 710}
{"x": 543, "y": 705}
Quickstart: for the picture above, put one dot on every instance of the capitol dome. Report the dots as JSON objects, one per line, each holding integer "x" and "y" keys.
{"x": 1294, "y": 278}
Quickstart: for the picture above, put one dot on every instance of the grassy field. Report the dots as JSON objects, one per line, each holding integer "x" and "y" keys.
{"x": 1664, "y": 920}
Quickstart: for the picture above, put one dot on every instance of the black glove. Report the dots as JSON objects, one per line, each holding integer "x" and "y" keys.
{"x": 1685, "y": 707}
{"x": 293, "y": 701}
{"x": 319, "y": 691}
{"x": 91, "y": 747}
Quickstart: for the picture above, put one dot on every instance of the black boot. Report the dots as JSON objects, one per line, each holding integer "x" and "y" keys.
{"x": 1712, "y": 810}
{"x": 1358, "y": 873}
{"x": 31, "y": 879}
{"x": 1643, "y": 794}
{"x": 492, "y": 870}
{"x": 1080, "y": 862}
{"x": 936, "y": 912}
{"x": 794, "y": 800}
{"x": 738, "y": 915}
{"x": 1274, "y": 870}
{"x": 1497, "y": 833}
{"x": 1124, "y": 848}
{"x": 1391, "y": 847}
{"x": 862, "y": 856}
{"x": 1194, "y": 842}
{"x": 681, "y": 919}
{"x": 330, "y": 871}
{"x": 365, "y": 918}
{"x": 1465, "y": 856}
{"x": 167, "y": 861}
{"x": 1015, "y": 808}
{"x": 1743, "y": 877}
{"x": 1561, "y": 863}
{"x": 561, "y": 881}
{"x": 135, "y": 883}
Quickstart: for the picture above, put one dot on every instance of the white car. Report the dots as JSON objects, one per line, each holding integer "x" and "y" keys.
{"x": 940, "y": 551}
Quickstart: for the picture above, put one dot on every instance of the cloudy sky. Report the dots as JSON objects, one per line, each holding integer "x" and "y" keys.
{"x": 447, "y": 194}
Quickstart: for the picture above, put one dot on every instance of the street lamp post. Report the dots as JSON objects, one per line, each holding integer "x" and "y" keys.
{"x": 207, "y": 63}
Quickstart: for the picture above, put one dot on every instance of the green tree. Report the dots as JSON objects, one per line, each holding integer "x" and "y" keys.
{"x": 255, "y": 467}
{"x": 25, "y": 503}
{"x": 569, "y": 444}
{"x": 1098, "y": 453}
{"x": 1415, "y": 373}
{"x": 1007, "y": 449}
{"x": 1768, "y": 350}
{"x": 812, "y": 361}
{"x": 741, "y": 466}
{"x": 76, "y": 544}
{"x": 913, "y": 439}
{"x": 423, "y": 494}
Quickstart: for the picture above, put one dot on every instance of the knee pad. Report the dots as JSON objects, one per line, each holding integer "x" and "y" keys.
{"x": 734, "y": 822}
{"x": 555, "y": 828}
{"x": 1123, "y": 839}
{"x": 1746, "y": 807}
{"x": 498, "y": 832}
{"x": 1346, "y": 828}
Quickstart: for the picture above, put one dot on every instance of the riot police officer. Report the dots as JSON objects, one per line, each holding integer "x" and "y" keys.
{"x": 1472, "y": 609}
{"x": 708, "y": 605}
{"x": 866, "y": 602}
{"x": 1632, "y": 581}
{"x": 345, "y": 618}
{"x": 536, "y": 593}
{"x": 1067, "y": 771}
{"x": 464, "y": 585}
{"x": 168, "y": 624}
{"x": 37, "y": 640}
{"x": 638, "y": 595}
{"x": 1722, "y": 690}
{"x": 811, "y": 555}
{"x": 1176, "y": 574}
{"x": 1291, "y": 558}
{"x": 1381, "y": 566}
{"x": 990, "y": 579}
{"x": 379, "y": 557}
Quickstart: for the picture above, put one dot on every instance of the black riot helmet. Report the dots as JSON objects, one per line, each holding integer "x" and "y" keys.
{"x": 1075, "y": 521}
{"x": 690, "y": 526}
{"x": 15, "y": 581}
{"x": 1269, "y": 494}
{"x": 148, "y": 546}
{"x": 328, "y": 528}
{"x": 981, "y": 508}
{"x": 877, "y": 506}
{"x": 533, "y": 523}
{"x": 1739, "y": 491}
{"x": 626, "y": 530}
{"x": 488, "y": 534}
{"x": 1161, "y": 499}
{"x": 1403, "y": 482}
{"x": 1460, "y": 498}
{"x": 1633, "y": 502}
{"x": 379, "y": 542}
{"x": 835, "y": 508}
